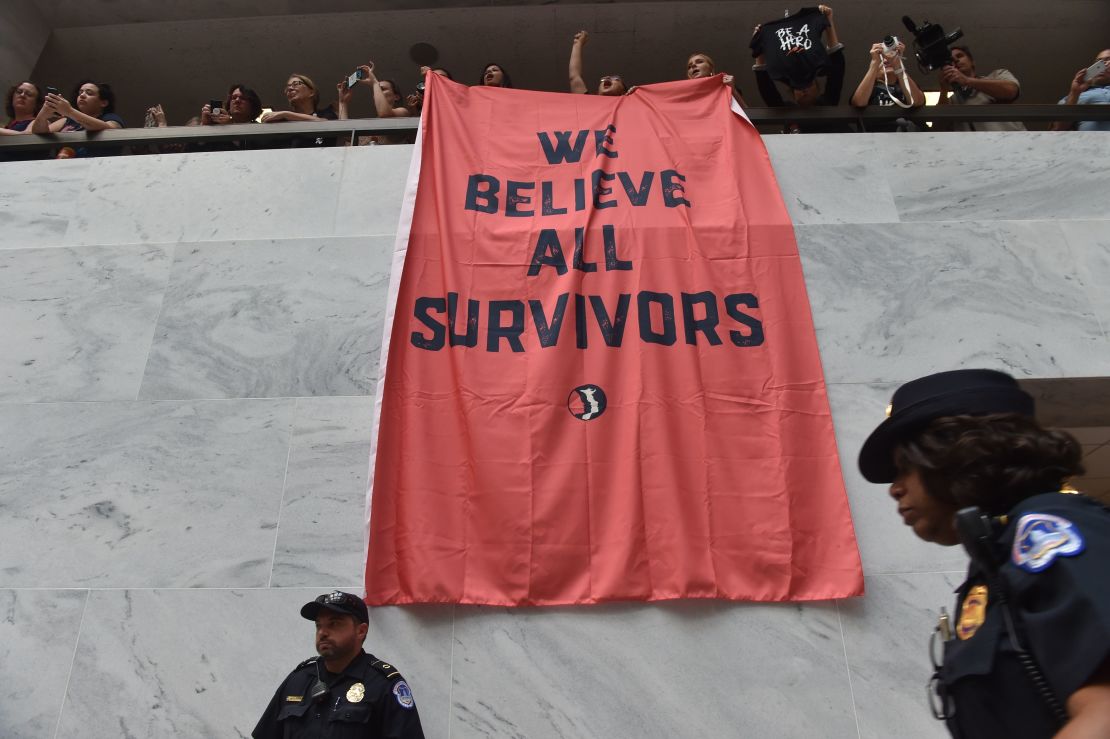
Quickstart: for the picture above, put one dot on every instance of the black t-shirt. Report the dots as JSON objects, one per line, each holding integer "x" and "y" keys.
{"x": 834, "y": 85}
{"x": 793, "y": 49}
{"x": 884, "y": 95}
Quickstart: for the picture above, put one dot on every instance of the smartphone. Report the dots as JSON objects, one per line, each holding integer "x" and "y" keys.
{"x": 216, "y": 105}
{"x": 1095, "y": 70}
{"x": 355, "y": 76}
{"x": 52, "y": 90}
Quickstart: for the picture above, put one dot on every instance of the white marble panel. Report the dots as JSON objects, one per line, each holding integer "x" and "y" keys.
{"x": 322, "y": 529}
{"x": 886, "y": 636}
{"x": 38, "y": 633}
{"x": 38, "y": 200}
{"x": 998, "y": 176}
{"x": 681, "y": 669}
{"x": 77, "y": 323}
{"x": 208, "y": 196}
{"x": 896, "y": 301}
{"x": 141, "y": 494}
{"x": 886, "y": 544}
{"x": 204, "y": 663}
{"x": 833, "y": 179}
{"x": 289, "y": 318}
{"x": 1090, "y": 245}
{"x": 371, "y": 189}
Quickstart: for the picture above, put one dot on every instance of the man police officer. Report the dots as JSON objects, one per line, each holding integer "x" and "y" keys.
{"x": 344, "y": 692}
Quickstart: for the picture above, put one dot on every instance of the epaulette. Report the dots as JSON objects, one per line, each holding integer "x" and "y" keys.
{"x": 388, "y": 670}
{"x": 306, "y": 663}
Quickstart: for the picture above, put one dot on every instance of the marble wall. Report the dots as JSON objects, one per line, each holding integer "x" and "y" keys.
{"x": 184, "y": 429}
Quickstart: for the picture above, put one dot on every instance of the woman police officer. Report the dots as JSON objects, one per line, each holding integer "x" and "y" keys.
{"x": 1028, "y": 654}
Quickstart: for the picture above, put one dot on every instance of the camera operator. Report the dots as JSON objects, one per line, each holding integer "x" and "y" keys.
{"x": 968, "y": 88}
{"x": 1089, "y": 86}
{"x": 887, "y": 81}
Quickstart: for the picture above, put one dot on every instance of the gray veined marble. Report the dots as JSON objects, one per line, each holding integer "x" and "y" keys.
{"x": 38, "y": 200}
{"x": 321, "y": 530}
{"x": 77, "y": 323}
{"x": 1090, "y": 246}
{"x": 141, "y": 494}
{"x": 682, "y": 669}
{"x": 895, "y": 301}
{"x": 189, "y": 663}
{"x": 208, "y": 197}
{"x": 289, "y": 318}
{"x": 841, "y": 183}
{"x": 371, "y": 189}
{"x": 886, "y": 544}
{"x": 998, "y": 176}
{"x": 38, "y": 633}
{"x": 886, "y": 638}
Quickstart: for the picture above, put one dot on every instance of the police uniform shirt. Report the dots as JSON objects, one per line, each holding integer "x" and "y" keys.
{"x": 368, "y": 700}
{"x": 1055, "y": 548}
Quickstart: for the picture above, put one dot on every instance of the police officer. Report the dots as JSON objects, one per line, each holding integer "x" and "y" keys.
{"x": 1027, "y": 650}
{"x": 344, "y": 692}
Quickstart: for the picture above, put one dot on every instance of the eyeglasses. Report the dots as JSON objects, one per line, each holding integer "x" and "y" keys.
{"x": 611, "y": 78}
{"x": 295, "y": 83}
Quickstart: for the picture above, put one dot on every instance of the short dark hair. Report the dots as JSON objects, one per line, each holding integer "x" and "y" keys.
{"x": 992, "y": 461}
{"x": 446, "y": 72}
{"x": 252, "y": 99}
{"x": 397, "y": 88}
{"x": 965, "y": 50}
{"x": 508, "y": 81}
{"x": 10, "y": 109}
{"x": 103, "y": 91}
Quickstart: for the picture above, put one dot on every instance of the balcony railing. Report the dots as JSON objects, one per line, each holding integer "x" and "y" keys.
{"x": 349, "y": 130}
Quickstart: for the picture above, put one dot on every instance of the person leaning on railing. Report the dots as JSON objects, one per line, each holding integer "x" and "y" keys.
{"x": 241, "y": 105}
{"x": 304, "y": 103}
{"x": 95, "y": 111}
{"x": 1084, "y": 91}
{"x": 22, "y": 105}
{"x": 804, "y": 90}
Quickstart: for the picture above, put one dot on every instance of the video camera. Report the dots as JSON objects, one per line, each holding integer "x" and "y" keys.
{"x": 931, "y": 44}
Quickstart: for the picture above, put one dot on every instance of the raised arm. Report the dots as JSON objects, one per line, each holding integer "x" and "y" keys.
{"x": 830, "y": 33}
{"x": 862, "y": 95}
{"x": 577, "y": 84}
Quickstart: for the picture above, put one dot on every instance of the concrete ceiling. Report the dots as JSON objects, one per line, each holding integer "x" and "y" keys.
{"x": 182, "y": 53}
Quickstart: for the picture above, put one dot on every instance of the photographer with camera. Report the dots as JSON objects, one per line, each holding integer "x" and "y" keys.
{"x": 1089, "y": 86}
{"x": 968, "y": 88}
{"x": 887, "y": 83}
{"x": 415, "y": 101}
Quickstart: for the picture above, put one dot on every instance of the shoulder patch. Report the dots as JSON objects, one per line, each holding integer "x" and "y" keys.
{"x": 306, "y": 663}
{"x": 1042, "y": 537}
{"x": 404, "y": 695}
{"x": 388, "y": 670}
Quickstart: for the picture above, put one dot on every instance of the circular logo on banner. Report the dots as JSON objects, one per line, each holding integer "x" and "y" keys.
{"x": 586, "y": 402}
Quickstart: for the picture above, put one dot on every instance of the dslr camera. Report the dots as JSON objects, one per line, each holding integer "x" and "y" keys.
{"x": 931, "y": 44}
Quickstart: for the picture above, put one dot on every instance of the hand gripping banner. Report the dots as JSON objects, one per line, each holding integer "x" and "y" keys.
{"x": 600, "y": 376}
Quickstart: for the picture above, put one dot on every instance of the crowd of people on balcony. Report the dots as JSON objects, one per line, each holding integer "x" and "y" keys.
{"x": 799, "y": 63}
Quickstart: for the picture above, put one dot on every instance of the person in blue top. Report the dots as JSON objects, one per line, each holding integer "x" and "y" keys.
{"x": 95, "y": 110}
{"x": 1026, "y": 652}
{"x": 1093, "y": 91}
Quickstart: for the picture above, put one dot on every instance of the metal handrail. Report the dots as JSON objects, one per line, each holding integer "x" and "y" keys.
{"x": 353, "y": 128}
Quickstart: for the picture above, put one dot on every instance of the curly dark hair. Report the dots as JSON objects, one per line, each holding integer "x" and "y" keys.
{"x": 992, "y": 461}
{"x": 39, "y": 98}
{"x": 103, "y": 91}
